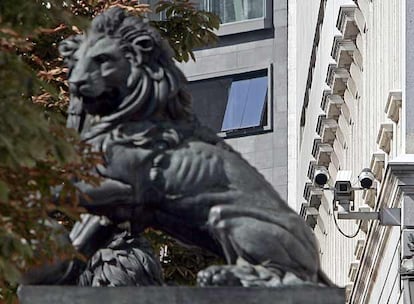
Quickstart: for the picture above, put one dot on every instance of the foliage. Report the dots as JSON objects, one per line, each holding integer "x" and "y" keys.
{"x": 180, "y": 263}
{"x": 36, "y": 151}
{"x": 186, "y": 28}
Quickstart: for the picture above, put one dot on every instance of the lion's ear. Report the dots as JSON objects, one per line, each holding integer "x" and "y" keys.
{"x": 68, "y": 47}
{"x": 143, "y": 43}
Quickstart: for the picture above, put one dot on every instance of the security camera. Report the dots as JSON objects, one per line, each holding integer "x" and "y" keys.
{"x": 366, "y": 178}
{"x": 343, "y": 192}
{"x": 321, "y": 176}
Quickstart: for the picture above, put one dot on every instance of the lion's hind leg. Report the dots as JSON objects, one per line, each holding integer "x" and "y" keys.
{"x": 262, "y": 248}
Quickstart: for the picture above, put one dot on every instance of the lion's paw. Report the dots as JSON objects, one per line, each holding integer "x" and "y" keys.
{"x": 218, "y": 276}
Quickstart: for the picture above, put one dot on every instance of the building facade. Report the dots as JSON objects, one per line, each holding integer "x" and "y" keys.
{"x": 239, "y": 86}
{"x": 352, "y": 91}
{"x": 300, "y": 87}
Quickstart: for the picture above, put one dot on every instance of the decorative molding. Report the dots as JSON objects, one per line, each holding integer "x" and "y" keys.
{"x": 364, "y": 5}
{"x": 323, "y": 155}
{"x": 346, "y": 22}
{"x": 337, "y": 78}
{"x": 356, "y": 75}
{"x": 307, "y": 190}
{"x": 315, "y": 145}
{"x": 311, "y": 169}
{"x": 310, "y": 209}
{"x": 326, "y": 129}
{"x": 324, "y": 100}
{"x": 398, "y": 183}
{"x": 315, "y": 197}
{"x": 358, "y": 59}
{"x": 353, "y": 269}
{"x": 360, "y": 20}
{"x": 342, "y": 51}
{"x": 393, "y": 106}
{"x": 384, "y": 137}
{"x": 360, "y": 43}
{"x": 331, "y": 104}
{"x": 369, "y": 197}
{"x": 377, "y": 164}
{"x": 333, "y": 171}
{"x": 352, "y": 88}
{"x": 348, "y": 289}
{"x": 311, "y": 217}
{"x": 359, "y": 248}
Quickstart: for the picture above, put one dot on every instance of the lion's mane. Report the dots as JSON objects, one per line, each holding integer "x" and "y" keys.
{"x": 157, "y": 86}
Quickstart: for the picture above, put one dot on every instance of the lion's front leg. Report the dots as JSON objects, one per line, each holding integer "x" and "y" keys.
{"x": 110, "y": 192}
{"x": 262, "y": 248}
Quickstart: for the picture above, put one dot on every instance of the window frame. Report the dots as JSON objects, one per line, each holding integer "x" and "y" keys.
{"x": 243, "y": 74}
{"x": 237, "y": 27}
{"x": 248, "y": 25}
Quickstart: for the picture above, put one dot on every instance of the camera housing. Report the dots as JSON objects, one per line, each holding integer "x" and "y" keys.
{"x": 366, "y": 178}
{"x": 344, "y": 194}
{"x": 321, "y": 176}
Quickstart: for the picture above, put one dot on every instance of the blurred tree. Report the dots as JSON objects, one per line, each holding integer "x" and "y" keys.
{"x": 37, "y": 152}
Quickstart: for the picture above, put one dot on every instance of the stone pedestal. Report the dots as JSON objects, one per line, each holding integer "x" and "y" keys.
{"x": 179, "y": 295}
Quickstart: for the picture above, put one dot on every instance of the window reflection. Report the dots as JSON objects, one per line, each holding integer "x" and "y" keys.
{"x": 234, "y": 10}
{"x": 232, "y": 103}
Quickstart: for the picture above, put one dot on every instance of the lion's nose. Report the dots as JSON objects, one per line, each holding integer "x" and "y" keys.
{"x": 75, "y": 85}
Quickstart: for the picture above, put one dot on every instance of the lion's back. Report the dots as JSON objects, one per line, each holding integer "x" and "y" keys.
{"x": 201, "y": 167}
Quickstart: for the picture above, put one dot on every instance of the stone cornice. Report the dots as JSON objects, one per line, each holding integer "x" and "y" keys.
{"x": 398, "y": 181}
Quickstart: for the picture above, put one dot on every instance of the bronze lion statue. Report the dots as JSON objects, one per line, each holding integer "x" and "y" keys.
{"x": 164, "y": 170}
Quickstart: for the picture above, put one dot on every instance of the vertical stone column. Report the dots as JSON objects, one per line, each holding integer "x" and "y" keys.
{"x": 401, "y": 171}
{"x": 408, "y": 104}
{"x": 407, "y": 203}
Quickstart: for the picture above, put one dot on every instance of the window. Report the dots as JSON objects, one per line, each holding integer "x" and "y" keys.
{"x": 234, "y": 10}
{"x": 237, "y": 16}
{"x": 233, "y": 105}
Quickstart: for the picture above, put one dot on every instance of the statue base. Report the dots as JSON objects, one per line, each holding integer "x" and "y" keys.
{"x": 179, "y": 295}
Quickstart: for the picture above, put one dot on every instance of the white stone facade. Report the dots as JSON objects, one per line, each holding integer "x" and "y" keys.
{"x": 352, "y": 87}
{"x": 342, "y": 99}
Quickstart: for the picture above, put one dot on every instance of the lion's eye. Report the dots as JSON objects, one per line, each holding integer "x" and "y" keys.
{"x": 102, "y": 58}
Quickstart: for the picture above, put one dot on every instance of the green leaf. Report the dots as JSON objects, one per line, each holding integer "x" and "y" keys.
{"x": 4, "y": 192}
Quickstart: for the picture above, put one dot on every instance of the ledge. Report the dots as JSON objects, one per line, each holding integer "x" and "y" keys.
{"x": 337, "y": 78}
{"x": 323, "y": 155}
{"x": 393, "y": 106}
{"x": 315, "y": 145}
{"x": 342, "y": 50}
{"x": 369, "y": 197}
{"x": 331, "y": 105}
{"x": 359, "y": 249}
{"x": 326, "y": 129}
{"x": 311, "y": 216}
{"x": 377, "y": 164}
{"x": 360, "y": 20}
{"x": 346, "y": 22}
{"x": 353, "y": 269}
{"x": 179, "y": 295}
{"x": 311, "y": 169}
{"x": 384, "y": 137}
{"x": 244, "y": 26}
{"x": 315, "y": 198}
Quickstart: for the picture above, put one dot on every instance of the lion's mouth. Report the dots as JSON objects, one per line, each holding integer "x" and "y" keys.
{"x": 103, "y": 104}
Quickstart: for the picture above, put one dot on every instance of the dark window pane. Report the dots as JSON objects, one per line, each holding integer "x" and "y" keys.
{"x": 209, "y": 100}
{"x": 231, "y": 103}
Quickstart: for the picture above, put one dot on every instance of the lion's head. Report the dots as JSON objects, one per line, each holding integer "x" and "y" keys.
{"x": 122, "y": 69}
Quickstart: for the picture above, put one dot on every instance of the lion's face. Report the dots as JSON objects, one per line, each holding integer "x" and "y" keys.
{"x": 99, "y": 75}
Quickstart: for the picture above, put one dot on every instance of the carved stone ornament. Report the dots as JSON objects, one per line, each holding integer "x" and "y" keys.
{"x": 164, "y": 170}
